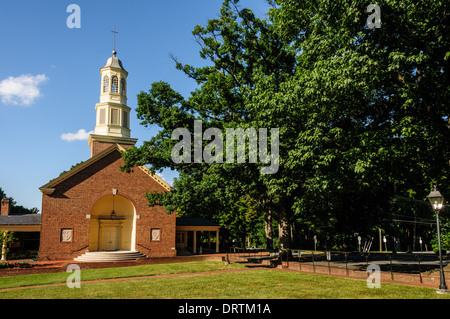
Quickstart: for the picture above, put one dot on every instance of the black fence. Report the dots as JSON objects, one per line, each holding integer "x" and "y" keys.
{"x": 417, "y": 263}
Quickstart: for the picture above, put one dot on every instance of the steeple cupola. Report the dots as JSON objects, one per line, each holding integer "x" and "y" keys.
{"x": 113, "y": 115}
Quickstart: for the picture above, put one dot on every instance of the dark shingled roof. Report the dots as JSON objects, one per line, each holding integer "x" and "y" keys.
{"x": 195, "y": 221}
{"x": 24, "y": 219}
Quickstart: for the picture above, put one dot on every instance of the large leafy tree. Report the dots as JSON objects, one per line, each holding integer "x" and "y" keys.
{"x": 367, "y": 106}
{"x": 240, "y": 48}
{"x": 361, "y": 112}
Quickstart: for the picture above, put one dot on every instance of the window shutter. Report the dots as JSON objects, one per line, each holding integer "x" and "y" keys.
{"x": 122, "y": 86}
{"x": 115, "y": 116}
{"x": 105, "y": 84}
{"x": 102, "y": 116}
{"x": 125, "y": 119}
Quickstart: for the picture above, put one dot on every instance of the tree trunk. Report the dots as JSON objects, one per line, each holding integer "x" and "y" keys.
{"x": 284, "y": 229}
{"x": 4, "y": 243}
{"x": 268, "y": 229}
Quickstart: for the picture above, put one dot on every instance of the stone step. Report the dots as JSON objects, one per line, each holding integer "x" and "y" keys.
{"x": 108, "y": 256}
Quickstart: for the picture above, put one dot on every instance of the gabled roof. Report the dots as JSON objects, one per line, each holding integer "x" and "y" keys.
{"x": 50, "y": 186}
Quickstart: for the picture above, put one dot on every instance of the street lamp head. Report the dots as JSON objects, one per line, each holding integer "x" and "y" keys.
{"x": 436, "y": 199}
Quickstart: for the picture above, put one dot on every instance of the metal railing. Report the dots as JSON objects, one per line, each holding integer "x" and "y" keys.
{"x": 417, "y": 263}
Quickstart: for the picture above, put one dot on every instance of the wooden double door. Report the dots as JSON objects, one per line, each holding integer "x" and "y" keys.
{"x": 111, "y": 235}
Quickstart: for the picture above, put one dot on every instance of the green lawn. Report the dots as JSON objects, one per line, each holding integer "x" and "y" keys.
{"x": 118, "y": 272}
{"x": 250, "y": 284}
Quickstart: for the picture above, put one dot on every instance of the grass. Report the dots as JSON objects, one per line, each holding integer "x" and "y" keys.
{"x": 250, "y": 284}
{"x": 118, "y": 272}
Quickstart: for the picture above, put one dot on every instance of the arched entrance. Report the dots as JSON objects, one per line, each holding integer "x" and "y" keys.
{"x": 113, "y": 224}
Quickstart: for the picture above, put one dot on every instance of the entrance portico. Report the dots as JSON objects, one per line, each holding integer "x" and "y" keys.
{"x": 112, "y": 224}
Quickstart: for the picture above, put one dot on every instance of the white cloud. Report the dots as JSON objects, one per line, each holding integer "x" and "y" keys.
{"x": 81, "y": 135}
{"x": 168, "y": 181}
{"x": 160, "y": 175}
{"x": 21, "y": 90}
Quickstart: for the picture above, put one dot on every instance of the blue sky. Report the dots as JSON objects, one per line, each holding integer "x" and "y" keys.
{"x": 50, "y": 80}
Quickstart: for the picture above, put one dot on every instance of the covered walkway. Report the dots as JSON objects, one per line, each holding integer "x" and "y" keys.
{"x": 188, "y": 233}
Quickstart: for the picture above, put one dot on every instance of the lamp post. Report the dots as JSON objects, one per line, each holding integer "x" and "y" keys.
{"x": 437, "y": 203}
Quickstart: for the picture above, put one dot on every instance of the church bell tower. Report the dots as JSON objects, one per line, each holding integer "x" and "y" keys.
{"x": 113, "y": 115}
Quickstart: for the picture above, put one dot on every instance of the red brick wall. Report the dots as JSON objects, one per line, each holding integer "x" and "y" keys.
{"x": 73, "y": 198}
{"x": 98, "y": 146}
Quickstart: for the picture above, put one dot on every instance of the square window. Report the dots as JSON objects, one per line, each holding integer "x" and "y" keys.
{"x": 66, "y": 235}
{"x": 155, "y": 234}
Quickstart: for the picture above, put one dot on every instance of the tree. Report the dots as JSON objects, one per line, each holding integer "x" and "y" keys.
{"x": 366, "y": 106}
{"x": 6, "y": 237}
{"x": 238, "y": 45}
{"x": 361, "y": 112}
{"x": 2, "y": 193}
{"x": 17, "y": 209}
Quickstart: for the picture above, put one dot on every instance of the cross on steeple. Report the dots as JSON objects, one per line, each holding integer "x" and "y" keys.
{"x": 114, "y": 51}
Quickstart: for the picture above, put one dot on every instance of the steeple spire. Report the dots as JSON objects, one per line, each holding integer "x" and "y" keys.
{"x": 115, "y": 32}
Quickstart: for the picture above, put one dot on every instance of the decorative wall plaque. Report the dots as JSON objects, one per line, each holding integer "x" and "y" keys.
{"x": 66, "y": 235}
{"x": 155, "y": 234}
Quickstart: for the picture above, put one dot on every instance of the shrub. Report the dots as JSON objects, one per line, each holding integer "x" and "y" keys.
{"x": 5, "y": 265}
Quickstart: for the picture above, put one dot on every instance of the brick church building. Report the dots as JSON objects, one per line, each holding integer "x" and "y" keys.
{"x": 95, "y": 208}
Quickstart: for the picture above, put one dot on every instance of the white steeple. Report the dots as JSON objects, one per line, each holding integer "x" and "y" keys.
{"x": 112, "y": 113}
